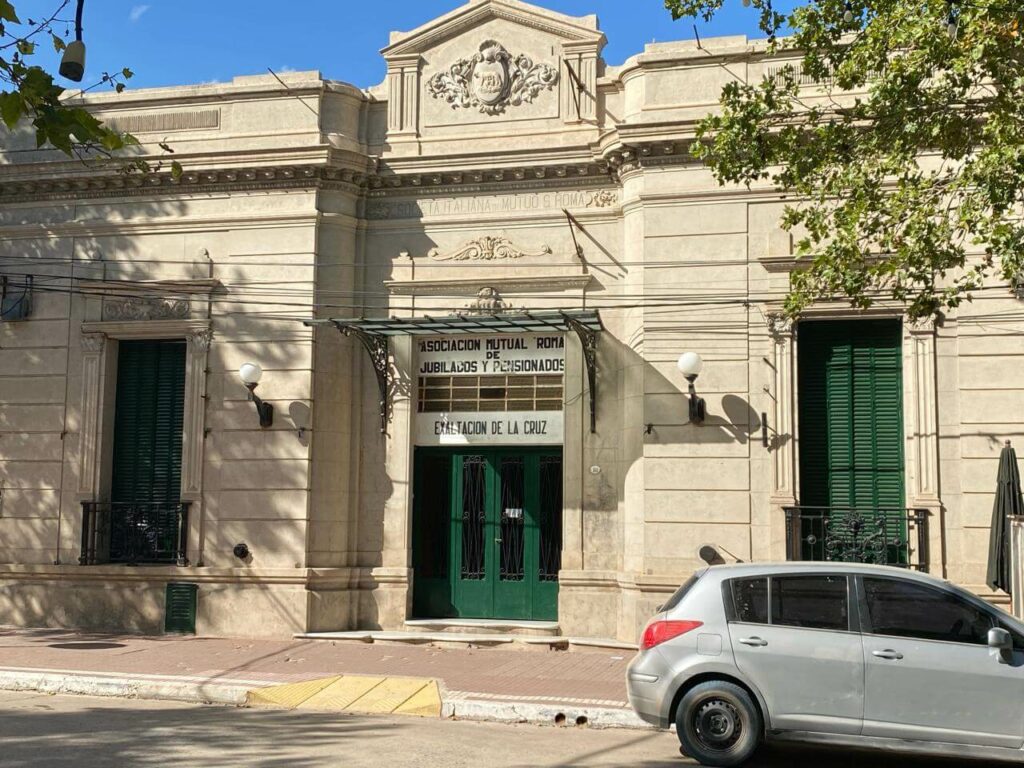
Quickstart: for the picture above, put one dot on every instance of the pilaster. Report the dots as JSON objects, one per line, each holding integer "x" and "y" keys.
{"x": 93, "y": 348}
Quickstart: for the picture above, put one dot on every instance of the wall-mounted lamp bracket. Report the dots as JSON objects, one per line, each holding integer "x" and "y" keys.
{"x": 376, "y": 346}
{"x": 588, "y": 340}
{"x": 265, "y": 410}
{"x": 698, "y": 408}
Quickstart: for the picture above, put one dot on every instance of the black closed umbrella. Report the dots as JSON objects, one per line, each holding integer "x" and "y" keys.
{"x": 1009, "y": 501}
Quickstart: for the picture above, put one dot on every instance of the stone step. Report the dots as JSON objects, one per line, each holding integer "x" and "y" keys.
{"x": 485, "y": 627}
{"x": 467, "y": 640}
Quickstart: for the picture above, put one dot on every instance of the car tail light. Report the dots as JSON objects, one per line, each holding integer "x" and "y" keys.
{"x": 659, "y": 632}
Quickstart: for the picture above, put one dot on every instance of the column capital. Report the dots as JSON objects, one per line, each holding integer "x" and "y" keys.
{"x": 200, "y": 340}
{"x": 780, "y": 325}
{"x": 93, "y": 343}
{"x": 921, "y": 326}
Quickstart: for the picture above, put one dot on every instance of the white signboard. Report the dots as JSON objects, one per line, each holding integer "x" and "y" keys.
{"x": 505, "y": 428}
{"x": 473, "y": 356}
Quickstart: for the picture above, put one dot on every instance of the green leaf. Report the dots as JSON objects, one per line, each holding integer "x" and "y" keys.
{"x": 26, "y": 48}
{"x": 11, "y": 108}
{"x": 7, "y": 12}
{"x": 58, "y": 42}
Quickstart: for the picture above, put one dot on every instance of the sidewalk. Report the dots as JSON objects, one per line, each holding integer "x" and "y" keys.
{"x": 491, "y": 684}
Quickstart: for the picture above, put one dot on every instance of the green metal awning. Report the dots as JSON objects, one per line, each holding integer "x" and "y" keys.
{"x": 509, "y": 322}
{"x": 374, "y": 334}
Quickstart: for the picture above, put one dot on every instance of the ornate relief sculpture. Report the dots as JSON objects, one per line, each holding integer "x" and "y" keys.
{"x": 488, "y": 302}
{"x": 487, "y": 249}
{"x": 139, "y": 308}
{"x": 491, "y": 80}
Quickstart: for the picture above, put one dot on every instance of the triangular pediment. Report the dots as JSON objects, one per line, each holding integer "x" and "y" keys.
{"x": 582, "y": 29}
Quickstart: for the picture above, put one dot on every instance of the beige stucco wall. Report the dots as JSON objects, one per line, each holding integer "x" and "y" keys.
{"x": 323, "y": 201}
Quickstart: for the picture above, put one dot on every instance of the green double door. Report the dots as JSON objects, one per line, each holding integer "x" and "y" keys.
{"x": 487, "y": 533}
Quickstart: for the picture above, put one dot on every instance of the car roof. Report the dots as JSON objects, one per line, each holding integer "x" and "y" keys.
{"x": 734, "y": 570}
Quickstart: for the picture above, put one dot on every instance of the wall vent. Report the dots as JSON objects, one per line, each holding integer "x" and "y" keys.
{"x": 180, "y": 609}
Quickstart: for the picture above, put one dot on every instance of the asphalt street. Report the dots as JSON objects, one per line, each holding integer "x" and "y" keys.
{"x": 44, "y": 731}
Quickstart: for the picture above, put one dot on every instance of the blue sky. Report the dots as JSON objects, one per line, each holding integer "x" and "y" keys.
{"x": 172, "y": 42}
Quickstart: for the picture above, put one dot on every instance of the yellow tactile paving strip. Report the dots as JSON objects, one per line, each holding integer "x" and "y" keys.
{"x": 416, "y": 696}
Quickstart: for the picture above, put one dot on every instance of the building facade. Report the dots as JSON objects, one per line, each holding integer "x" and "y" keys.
{"x": 467, "y": 289}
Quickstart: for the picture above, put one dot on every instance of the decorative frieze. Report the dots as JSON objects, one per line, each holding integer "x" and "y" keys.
{"x": 145, "y": 308}
{"x": 197, "y": 120}
{"x": 492, "y": 80}
{"x": 487, "y": 248}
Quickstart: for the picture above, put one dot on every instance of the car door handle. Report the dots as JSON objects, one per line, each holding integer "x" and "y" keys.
{"x": 888, "y": 653}
{"x": 756, "y": 642}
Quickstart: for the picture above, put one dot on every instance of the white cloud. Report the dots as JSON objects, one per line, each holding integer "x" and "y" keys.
{"x": 136, "y": 12}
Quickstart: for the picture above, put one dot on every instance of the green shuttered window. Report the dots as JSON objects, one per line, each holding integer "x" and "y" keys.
{"x": 851, "y": 414}
{"x": 148, "y": 419}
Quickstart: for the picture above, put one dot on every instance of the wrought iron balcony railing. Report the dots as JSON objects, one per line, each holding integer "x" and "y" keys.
{"x": 883, "y": 536}
{"x": 133, "y": 533}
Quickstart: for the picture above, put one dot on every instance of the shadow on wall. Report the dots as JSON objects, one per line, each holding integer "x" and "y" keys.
{"x": 258, "y": 473}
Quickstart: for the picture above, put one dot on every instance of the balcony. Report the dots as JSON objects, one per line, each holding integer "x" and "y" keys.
{"x": 882, "y": 536}
{"x": 134, "y": 533}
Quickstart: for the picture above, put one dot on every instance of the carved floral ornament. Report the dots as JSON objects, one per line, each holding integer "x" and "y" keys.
{"x": 491, "y": 80}
{"x": 487, "y": 248}
{"x": 144, "y": 308}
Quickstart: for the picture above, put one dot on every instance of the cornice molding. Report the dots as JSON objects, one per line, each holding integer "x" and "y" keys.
{"x": 444, "y": 29}
{"x": 472, "y": 286}
{"x": 306, "y": 177}
{"x": 142, "y": 288}
{"x": 626, "y": 158}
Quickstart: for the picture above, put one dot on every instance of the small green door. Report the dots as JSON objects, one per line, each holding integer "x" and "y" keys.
{"x": 487, "y": 533}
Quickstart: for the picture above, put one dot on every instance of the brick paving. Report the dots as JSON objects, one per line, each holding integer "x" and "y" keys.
{"x": 492, "y": 673}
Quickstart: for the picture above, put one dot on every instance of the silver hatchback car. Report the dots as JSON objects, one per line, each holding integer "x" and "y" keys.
{"x": 835, "y": 653}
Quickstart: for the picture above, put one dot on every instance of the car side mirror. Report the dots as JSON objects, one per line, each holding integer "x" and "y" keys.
{"x": 999, "y": 640}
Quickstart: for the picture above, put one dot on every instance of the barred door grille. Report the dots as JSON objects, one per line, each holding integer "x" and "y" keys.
{"x": 474, "y": 517}
{"x": 513, "y": 507}
{"x": 550, "y": 518}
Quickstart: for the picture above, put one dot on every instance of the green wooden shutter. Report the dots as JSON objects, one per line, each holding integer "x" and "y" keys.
{"x": 851, "y": 414}
{"x": 148, "y": 419}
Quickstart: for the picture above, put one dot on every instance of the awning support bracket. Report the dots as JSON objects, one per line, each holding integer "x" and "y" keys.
{"x": 588, "y": 340}
{"x": 376, "y": 347}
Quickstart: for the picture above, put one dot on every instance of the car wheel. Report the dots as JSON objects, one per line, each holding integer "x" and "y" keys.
{"x": 718, "y": 724}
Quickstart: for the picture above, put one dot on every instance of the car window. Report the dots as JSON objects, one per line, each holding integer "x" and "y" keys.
{"x": 750, "y": 600}
{"x": 680, "y": 593}
{"x": 818, "y": 602}
{"x": 902, "y": 609}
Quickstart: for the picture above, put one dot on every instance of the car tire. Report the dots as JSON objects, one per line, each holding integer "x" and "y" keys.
{"x": 718, "y": 724}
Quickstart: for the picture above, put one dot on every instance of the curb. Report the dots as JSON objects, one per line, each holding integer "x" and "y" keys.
{"x": 233, "y": 694}
{"x": 236, "y": 693}
{"x": 552, "y": 714}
